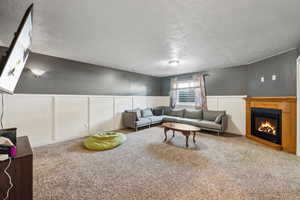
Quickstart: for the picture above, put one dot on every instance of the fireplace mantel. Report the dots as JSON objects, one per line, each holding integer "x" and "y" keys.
{"x": 288, "y": 123}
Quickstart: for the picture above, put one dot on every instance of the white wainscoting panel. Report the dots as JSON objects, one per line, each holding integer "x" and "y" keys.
{"x": 155, "y": 101}
{"x": 71, "y": 117}
{"x": 212, "y": 102}
{"x": 152, "y": 102}
{"x": 163, "y": 101}
{"x": 139, "y": 102}
{"x": 101, "y": 115}
{"x": 122, "y": 103}
{"x": 31, "y": 115}
{"x": 235, "y": 109}
{"x": 51, "y": 118}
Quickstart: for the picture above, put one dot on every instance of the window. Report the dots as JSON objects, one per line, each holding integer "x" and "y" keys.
{"x": 186, "y": 92}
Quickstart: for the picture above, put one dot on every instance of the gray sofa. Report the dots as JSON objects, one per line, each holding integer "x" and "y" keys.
{"x": 205, "y": 119}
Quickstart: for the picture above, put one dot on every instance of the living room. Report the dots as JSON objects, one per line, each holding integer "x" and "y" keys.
{"x": 152, "y": 100}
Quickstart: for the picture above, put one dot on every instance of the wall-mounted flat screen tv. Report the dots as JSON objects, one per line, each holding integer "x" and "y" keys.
{"x": 13, "y": 63}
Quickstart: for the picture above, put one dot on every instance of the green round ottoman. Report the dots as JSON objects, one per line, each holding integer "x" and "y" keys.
{"x": 104, "y": 141}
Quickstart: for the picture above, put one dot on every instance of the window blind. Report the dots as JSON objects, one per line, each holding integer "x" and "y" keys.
{"x": 186, "y": 95}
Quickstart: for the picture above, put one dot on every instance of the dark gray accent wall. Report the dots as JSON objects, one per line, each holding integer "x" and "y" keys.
{"x": 245, "y": 80}
{"x": 227, "y": 81}
{"x": 70, "y": 77}
{"x": 283, "y": 66}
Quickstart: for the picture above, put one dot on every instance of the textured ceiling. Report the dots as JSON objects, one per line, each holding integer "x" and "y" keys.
{"x": 142, "y": 35}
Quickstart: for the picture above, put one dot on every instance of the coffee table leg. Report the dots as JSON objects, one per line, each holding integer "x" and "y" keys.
{"x": 187, "y": 140}
{"x": 194, "y": 137}
{"x": 165, "y": 134}
{"x": 173, "y": 133}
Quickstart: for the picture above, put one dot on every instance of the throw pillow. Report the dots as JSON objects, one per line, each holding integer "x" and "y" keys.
{"x": 157, "y": 111}
{"x": 138, "y": 114}
{"x": 219, "y": 118}
{"x": 147, "y": 112}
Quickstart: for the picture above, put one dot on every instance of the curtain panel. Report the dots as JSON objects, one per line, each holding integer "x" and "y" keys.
{"x": 173, "y": 93}
{"x": 200, "y": 91}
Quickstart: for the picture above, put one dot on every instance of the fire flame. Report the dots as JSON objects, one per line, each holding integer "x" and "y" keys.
{"x": 267, "y": 127}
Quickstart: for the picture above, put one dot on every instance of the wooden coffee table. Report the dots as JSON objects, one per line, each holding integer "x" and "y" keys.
{"x": 185, "y": 129}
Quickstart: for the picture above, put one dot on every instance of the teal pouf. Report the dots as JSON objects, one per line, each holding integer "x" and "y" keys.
{"x": 104, "y": 141}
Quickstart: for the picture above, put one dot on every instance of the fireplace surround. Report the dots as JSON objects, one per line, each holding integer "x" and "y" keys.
{"x": 266, "y": 124}
{"x": 272, "y": 122}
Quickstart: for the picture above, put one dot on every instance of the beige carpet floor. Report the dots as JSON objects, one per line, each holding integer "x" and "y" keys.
{"x": 224, "y": 167}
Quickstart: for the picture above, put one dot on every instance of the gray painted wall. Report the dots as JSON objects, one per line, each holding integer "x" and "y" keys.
{"x": 227, "y": 81}
{"x": 71, "y": 77}
{"x": 283, "y": 66}
{"x": 246, "y": 79}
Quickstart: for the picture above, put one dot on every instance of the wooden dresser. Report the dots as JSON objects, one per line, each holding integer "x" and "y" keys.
{"x": 20, "y": 172}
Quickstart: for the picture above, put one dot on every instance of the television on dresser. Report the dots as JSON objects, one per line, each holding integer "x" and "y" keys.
{"x": 13, "y": 62}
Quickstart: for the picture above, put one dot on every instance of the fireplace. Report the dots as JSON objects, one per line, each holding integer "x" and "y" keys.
{"x": 266, "y": 124}
{"x": 272, "y": 121}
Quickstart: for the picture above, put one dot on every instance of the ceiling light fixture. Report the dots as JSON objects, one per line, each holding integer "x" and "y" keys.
{"x": 37, "y": 72}
{"x": 174, "y": 63}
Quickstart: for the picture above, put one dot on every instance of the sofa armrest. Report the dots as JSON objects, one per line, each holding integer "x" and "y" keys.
{"x": 224, "y": 123}
{"x": 129, "y": 119}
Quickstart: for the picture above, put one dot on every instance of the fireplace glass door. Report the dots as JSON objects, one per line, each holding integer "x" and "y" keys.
{"x": 266, "y": 124}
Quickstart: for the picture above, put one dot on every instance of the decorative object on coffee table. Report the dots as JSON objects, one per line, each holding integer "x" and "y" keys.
{"x": 185, "y": 129}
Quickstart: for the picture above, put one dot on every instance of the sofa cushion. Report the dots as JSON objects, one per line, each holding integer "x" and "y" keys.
{"x": 210, "y": 115}
{"x": 193, "y": 122}
{"x": 193, "y": 114}
{"x": 156, "y": 119}
{"x": 143, "y": 122}
{"x": 147, "y": 112}
{"x": 158, "y": 111}
{"x": 167, "y": 110}
{"x": 210, "y": 125}
{"x": 167, "y": 118}
{"x": 177, "y": 112}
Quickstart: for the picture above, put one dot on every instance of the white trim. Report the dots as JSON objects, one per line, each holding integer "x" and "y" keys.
{"x": 266, "y": 57}
{"x": 298, "y": 107}
{"x": 229, "y": 96}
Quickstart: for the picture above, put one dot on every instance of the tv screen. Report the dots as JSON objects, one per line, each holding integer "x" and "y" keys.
{"x": 15, "y": 60}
